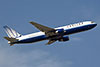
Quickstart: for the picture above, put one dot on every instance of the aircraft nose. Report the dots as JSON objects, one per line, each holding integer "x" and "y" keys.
{"x": 95, "y": 24}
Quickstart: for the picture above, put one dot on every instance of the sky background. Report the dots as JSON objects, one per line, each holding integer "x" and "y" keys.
{"x": 83, "y": 49}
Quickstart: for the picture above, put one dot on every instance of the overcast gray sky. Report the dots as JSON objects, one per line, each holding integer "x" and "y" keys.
{"x": 83, "y": 49}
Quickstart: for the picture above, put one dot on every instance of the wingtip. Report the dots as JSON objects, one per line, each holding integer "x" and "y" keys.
{"x": 47, "y": 44}
{"x": 31, "y": 22}
{"x": 11, "y": 44}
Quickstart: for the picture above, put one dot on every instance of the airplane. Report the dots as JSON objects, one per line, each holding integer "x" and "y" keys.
{"x": 60, "y": 34}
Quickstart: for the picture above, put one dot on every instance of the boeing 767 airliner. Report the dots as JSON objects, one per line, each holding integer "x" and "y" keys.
{"x": 46, "y": 33}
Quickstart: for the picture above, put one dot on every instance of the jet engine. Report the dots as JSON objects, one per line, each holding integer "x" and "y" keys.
{"x": 60, "y": 31}
{"x": 64, "y": 38}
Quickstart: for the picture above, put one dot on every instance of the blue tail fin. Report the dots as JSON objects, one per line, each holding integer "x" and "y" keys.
{"x": 11, "y": 33}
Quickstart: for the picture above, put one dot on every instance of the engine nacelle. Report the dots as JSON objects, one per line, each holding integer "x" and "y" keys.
{"x": 65, "y": 38}
{"x": 60, "y": 31}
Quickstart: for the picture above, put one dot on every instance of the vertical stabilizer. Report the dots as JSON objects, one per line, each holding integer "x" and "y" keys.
{"x": 11, "y": 33}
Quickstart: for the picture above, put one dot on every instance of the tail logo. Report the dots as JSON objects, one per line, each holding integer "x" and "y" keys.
{"x": 11, "y": 33}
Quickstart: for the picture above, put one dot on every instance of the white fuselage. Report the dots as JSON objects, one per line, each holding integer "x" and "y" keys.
{"x": 69, "y": 29}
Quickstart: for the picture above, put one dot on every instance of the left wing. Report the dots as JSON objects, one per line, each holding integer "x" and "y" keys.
{"x": 47, "y": 30}
{"x": 42, "y": 27}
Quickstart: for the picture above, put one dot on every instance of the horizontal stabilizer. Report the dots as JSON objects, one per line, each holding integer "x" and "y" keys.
{"x": 11, "y": 39}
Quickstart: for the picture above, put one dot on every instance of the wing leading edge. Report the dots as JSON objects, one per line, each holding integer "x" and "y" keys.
{"x": 42, "y": 27}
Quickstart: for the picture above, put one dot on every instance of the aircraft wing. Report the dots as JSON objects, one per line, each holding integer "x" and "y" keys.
{"x": 48, "y": 31}
{"x": 50, "y": 42}
{"x": 42, "y": 27}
